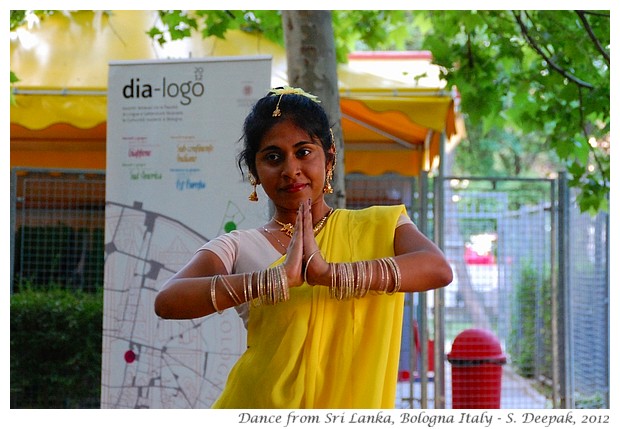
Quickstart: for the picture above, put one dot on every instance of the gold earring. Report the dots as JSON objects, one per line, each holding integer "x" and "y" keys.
{"x": 327, "y": 189}
{"x": 253, "y": 196}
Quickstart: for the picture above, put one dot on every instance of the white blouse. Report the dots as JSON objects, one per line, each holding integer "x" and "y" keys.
{"x": 246, "y": 251}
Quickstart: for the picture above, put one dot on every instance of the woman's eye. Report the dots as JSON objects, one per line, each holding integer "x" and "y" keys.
{"x": 303, "y": 152}
{"x": 272, "y": 157}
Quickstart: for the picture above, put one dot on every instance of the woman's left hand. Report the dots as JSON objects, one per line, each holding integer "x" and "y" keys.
{"x": 318, "y": 267}
{"x": 294, "y": 261}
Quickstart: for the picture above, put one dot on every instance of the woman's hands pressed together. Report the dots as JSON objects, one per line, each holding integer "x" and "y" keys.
{"x": 303, "y": 245}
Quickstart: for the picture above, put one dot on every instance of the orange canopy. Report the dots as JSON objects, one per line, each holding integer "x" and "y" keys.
{"x": 391, "y": 123}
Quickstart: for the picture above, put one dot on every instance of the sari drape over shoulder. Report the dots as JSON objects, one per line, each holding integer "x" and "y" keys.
{"x": 314, "y": 351}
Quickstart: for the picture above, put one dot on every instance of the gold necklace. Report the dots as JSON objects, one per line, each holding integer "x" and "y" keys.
{"x": 288, "y": 228}
{"x": 273, "y": 235}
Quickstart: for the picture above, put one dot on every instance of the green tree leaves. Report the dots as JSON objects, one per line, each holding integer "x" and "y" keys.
{"x": 543, "y": 74}
{"x": 540, "y": 76}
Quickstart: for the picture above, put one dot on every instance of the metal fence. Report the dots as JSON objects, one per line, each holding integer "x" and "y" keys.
{"x": 541, "y": 291}
{"x": 499, "y": 237}
{"x": 532, "y": 270}
{"x": 588, "y": 333}
{"x": 57, "y": 228}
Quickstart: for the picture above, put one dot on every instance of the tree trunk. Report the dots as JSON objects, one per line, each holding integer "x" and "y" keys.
{"x": 311, "y": 64}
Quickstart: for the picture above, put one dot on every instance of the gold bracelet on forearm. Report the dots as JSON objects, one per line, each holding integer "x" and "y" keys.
{"x": 308, "y": 264}
{"x": 271, "y": 286}
{"x": 354, "y": 279}
{"x": 231, "y": 291}
{"x": 213, "y": 299}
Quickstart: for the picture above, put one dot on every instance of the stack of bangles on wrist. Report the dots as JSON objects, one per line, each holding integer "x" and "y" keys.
{"x": 271, "y": 287}
{"x": 348, "y": 280}
{"x": 353, "y": 279}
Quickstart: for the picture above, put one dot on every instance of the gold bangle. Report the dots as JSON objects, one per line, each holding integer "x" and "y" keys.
{"x": 260, "y": 287}
{"x": 231, "y": 291}
{"x": 350, "y": 281}
{"x": 380, "y": 287}
{"x": 396, "y": 274}
{"x": 271, "y": 286}
{"x": 213, "y": 300}
{"x": 245, "y": 288}
{"x": 308, "y": 264}
{"x": 332, "y": 288}
{"x": 337, "y": 281}
{"x": 277, "y": 285}
{"x": 248, "y": 288}
{"x": 371, "y": 270}
{"x": 361, "y": 282}
{"x": 284, "y": 283}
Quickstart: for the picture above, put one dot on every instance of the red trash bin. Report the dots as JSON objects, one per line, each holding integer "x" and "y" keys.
{"x": 476, "y": 358}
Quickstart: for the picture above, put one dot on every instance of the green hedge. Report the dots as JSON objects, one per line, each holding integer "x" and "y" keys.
{"x": 56, "y": 349}
{"x": 529, "y": 342}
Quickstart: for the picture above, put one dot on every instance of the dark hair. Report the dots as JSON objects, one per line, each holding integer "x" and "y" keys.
{"x": 302, "y": 111}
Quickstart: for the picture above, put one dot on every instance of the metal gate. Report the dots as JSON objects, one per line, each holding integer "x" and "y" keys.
{"x": 498, "y": 235}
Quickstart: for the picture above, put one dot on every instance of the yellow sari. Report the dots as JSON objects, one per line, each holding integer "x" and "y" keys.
{"x": 314, "y": 351}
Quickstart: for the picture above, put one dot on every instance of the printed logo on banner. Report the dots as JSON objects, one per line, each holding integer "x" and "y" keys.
{"x": 184, "y": 92}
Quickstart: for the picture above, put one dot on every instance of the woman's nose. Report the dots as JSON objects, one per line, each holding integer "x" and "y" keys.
{"x": 291, "y": 168}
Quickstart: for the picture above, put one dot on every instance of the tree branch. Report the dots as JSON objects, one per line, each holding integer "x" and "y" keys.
{"x": 580, "y": 84}
{"x": 581, "y": 14}
{"x": 540, "y": 52}
{"x": 594, "y": 13}
{"x": 470, "y": 53}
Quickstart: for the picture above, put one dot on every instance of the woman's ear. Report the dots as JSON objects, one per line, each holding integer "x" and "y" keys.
{"x": 253, "y": 176}
{"x": 331, "y": 161}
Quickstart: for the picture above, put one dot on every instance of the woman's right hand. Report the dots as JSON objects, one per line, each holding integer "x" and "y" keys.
{"x": 293, "y": 263}
{"x": 303, "y": 244}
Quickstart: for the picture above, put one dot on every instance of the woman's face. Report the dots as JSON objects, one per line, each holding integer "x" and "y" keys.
{"x": 291, "y": 166}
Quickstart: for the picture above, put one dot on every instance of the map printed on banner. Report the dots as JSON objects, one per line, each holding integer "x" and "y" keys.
{"x": 171, "y": 185}
{"x": 184, "y": 363}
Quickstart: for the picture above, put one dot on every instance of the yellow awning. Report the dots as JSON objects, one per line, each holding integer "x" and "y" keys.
{"x": 389, "y": 124}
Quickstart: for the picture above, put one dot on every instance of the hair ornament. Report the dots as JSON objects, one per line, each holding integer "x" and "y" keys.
{"x": 290, "y": 90}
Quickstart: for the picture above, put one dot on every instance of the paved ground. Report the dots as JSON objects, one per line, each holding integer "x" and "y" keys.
{"x": 517, "y": 393}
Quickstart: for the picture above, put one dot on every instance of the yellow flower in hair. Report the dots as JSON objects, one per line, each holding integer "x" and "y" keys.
{"x": 290, "y": 90}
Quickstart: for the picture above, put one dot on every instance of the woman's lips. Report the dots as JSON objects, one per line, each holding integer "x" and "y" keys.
{"x": 295, "y": 187}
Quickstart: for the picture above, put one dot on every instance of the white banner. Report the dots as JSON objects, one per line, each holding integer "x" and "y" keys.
{"x": 172, "y": 183}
